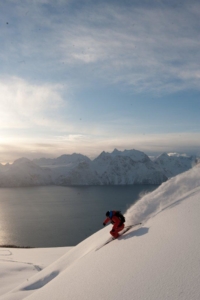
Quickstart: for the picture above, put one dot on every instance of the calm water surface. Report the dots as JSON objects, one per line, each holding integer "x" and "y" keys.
{"x": 60, "y": 216}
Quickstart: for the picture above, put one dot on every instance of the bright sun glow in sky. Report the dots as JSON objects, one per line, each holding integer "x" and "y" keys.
{"x": 87, "y": 76}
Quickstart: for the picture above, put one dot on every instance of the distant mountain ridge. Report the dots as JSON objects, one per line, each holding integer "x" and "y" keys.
{"x": 126, "y": 167}
{"x": 174, "y": 165}
{"x": 61, "y": 160}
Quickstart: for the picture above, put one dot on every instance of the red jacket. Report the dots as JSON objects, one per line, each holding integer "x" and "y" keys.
{"x": 114, "y": 220}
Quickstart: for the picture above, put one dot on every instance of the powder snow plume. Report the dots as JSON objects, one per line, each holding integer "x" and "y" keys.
{"x": 167, "y": 194}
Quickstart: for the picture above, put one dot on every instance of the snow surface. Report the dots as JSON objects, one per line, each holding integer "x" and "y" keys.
{"x": 18, "y": 265}
{"x": 160, "y": 260}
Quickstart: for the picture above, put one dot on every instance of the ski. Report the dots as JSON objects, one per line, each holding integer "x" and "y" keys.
{"x": 127, "y": 228}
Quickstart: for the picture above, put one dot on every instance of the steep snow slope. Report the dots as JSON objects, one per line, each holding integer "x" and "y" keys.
{"x": 160, "y": 260}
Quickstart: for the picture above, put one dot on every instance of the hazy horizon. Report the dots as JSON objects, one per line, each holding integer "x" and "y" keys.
{"x": 151, "y": 155}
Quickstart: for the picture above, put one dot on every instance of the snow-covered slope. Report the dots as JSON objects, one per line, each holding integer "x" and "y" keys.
{"x": 173, "y": 165}
{"x": 160, "y": 260}
{"x": 18, "y": 265}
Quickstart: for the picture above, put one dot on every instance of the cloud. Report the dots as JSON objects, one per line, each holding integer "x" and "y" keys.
{"x": 150, "y": 143}
{"x": 12, "y": 151}
{"x": 147, "y": 48}
{"x": 24, "y": 104}
{"x": 178, "y": 154}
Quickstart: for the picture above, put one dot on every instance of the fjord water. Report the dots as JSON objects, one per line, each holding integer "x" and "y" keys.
{"x": 57, "y": 216}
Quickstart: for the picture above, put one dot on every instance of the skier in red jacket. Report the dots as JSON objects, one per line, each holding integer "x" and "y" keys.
{"x": 117, "y": 219}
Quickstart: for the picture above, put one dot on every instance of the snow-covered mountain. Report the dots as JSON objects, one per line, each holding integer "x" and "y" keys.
{"x": 74, "y": 169}
{"x": 82, "y": 173}
{"x": 64, "y": 160}
{"x": 173, "y": 165}
{"x": 135, "y": 155}
{"x": 159, "y": 260}
{"x": 116, "y": 168}
{"x": 127, "y": 167}
{"x": 23, "y": 172}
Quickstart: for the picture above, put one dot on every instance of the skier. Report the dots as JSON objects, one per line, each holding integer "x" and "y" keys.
{"x": 117, "y": 219}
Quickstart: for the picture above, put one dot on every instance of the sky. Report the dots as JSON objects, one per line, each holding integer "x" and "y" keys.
{"x": 90, "y": 76}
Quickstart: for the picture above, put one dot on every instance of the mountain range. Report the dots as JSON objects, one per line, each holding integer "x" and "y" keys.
{"x": 126, "y": 167}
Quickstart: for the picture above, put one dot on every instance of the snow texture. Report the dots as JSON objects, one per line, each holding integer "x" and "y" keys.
{"x": 160, "y": 260}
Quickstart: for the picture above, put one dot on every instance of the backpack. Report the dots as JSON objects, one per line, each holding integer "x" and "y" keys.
{"x": 120, "y": 216}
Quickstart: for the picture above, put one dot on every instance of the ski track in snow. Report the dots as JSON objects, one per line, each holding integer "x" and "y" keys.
{"x": 9, "y": 253}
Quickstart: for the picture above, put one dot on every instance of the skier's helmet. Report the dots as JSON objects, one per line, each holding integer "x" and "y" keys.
{"x": 107, "y": 214}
